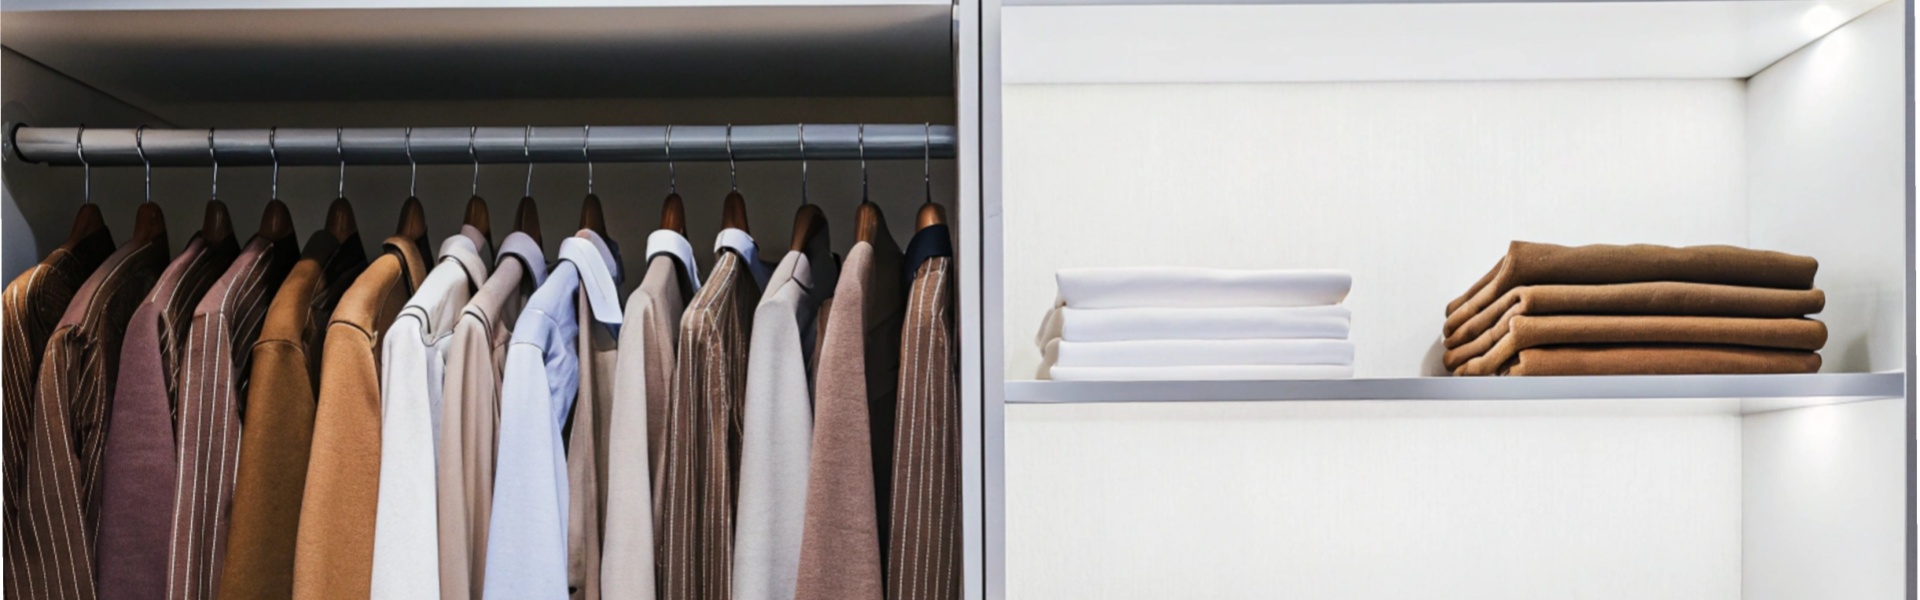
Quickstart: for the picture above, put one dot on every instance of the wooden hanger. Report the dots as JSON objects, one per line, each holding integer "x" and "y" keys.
{"x": 869, "y": 224}
{"x": 275, "y": 222}
{"x": 217, "y": 226}
{"x": 526, "y": 219}
{"x": 591, "y": 215}
{"x": 930, "y": 214}
{"x": 340, "y": 222}
{"x": 673, "y": 214}
{"x": 86, "y": 224}
{"x": 477, "y": 216}
{"x": 808, "y": 222}
{"x": 733, "y": 212}
{"x": 413, "y": 222}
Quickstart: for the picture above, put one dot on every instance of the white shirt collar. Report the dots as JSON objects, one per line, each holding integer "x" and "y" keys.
{"x": 520, "y": 245}
{"x": 670, "y": 242}
{"x": 596, "y": 279}
{"x": 461, "y": 249}
{"x": 742, "y": 243}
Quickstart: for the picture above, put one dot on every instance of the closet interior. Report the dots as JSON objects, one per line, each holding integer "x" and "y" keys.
{"x": 551, "y": 117}
{"x": 1408, "y": 144}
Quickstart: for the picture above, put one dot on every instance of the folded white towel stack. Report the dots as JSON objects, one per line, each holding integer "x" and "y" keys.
{"x": 1173, "y": 324}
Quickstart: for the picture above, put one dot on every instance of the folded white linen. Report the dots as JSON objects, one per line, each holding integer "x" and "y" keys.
{"x": 1228, "y": 323}
{"x": 1186, "y": 287}
{"x": 1202, "y": 373}
{"x": 1182, "y": 353}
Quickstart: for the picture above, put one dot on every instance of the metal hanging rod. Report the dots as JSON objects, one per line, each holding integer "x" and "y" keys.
{"x": 449, "y": 145}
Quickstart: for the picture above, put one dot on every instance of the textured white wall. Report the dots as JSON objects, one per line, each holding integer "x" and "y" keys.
{"x": 1826, "y": 149}
{"x": 1414, "y": 187}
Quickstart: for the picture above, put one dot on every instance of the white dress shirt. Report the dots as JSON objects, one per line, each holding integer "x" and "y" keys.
{"x": 527, "y": 534}
{"x": 406, "y": 559}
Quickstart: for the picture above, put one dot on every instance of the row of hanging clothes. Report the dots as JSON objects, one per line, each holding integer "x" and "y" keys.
{"x": 261, "y": 418}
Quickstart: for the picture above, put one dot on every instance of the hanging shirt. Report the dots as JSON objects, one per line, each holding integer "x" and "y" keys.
{"x": 470, "y": 413}
{"x": 139, "y": 470}
{"x": 923, "y": 558}
{"x": 598, "y": 347}
{"x": 406, "y": 545}
{"x": 77, "y": 377}
{"x": 334, "y": 558}
{"x": 849, "y": 475}
{"x": 667, "y": 242}
{"x": 527, "y": 532}
{"x": 220, "y": 341}
{"x": 278, "y": 433}
{"x": 777, "y": 430}
{"x": 695, "y": 532}
{"x": 30, "y": 308}
{"x": 645, "y": 370}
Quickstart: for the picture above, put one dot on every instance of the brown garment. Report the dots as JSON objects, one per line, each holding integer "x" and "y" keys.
{"x": 1526, "y": 332}
{"x": 278, "y": 425}
{"x": 212, "y": 383}
{"x": 334, "y": 554}
{"x": 470, "y": 418}
{"x": 33, "y": 303}
{"x": 702, "y": 466}
{"x": 587, "y": 450}
{"x": 1530, "y": 263}
{"x": 1648, "y": 298}
{"x": 77, "y": 377}
{"x": 1660, "y": 360}
{"x": 842, "y": 545}
{"x": 139, "y": 464}
{"x": 924, "y": 558}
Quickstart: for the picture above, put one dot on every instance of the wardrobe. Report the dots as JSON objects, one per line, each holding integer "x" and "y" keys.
{"x": 1407, "y": 141}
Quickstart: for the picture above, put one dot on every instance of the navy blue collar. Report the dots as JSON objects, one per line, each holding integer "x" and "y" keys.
{"x": 929, "y": 242}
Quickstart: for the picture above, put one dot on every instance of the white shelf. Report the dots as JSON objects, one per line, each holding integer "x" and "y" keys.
{"x": 1746, "y": 393}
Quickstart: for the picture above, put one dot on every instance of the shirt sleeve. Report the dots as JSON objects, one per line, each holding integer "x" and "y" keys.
{"x": 406, "y": 550}
{"x": 526, "y": 543}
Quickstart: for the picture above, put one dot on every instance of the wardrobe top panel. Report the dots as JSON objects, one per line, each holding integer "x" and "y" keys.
{"x": 1283, "y": 41}
{"x": 769, "y": 49}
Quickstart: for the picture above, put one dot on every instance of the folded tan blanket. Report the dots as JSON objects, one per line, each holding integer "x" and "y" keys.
{"x": 1531, "y": 263}
{"x": 1491, "y": 352}
{"x": 1653, "y": 298}
{"x": 1660, "y": 360}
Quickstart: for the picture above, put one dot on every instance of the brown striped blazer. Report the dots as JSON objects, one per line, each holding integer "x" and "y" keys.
{"x": 694, "y": 536}
{"x": 224, "y": 327}
{"x": 278, "y": 424}
{"x": 333, "y": 556}
{"x": 842, "y": 545}
{"x": 33, "y": 303}
{"x": 77, "y": 378}
{"x": 137, "y": 478}
{"x": 924, "y": 553}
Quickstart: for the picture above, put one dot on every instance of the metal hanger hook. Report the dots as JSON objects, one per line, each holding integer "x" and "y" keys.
{"x": 215, "y": 195}
{"x": 586, "y": 139}
{"x": 413, "y": 169}
{"x": 733, "y": 174}
{"x": 340, "y": 150}
{"x": 526, "y": 151}
{"x": 861, "y": 140}
{"x": 673, "y": 179}
{"x": 926, "y": 158}
{"x": 140, "y": 146}
{"x": 472, "y": 131}
{"x": 273, "y": 151}
{"x": 803, "y": 164}
{"x": 86, "y": 170}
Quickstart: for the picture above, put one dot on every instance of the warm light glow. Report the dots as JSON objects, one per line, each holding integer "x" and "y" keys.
{"x": 1820, "y": 19}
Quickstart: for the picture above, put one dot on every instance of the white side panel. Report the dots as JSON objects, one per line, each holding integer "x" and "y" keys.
{"x": 1414, "y": 187}
{"x": 1369, "y": 501}
{"x": 1826, "y": 145}
{"x": 1826, "y": 502}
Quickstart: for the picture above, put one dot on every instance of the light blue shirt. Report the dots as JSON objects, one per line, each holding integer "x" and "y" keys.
{"x": 527, "y": 533}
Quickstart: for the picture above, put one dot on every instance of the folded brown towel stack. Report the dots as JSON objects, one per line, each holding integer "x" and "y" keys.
{"x": 1639, "y": 309}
